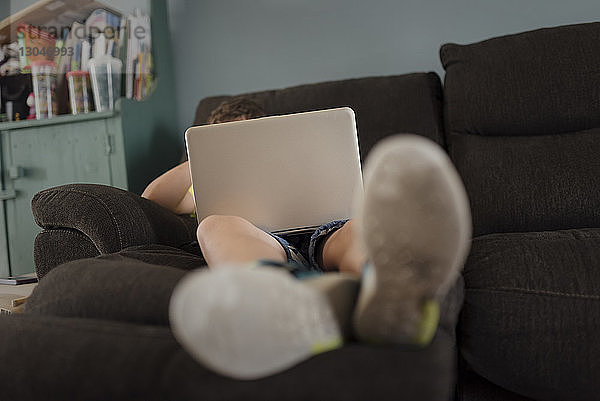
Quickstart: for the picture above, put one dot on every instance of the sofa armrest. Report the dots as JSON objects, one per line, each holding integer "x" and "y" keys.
{"x": 113, "y": 219}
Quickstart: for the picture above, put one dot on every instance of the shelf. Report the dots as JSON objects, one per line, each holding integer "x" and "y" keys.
{"x": 61, "y": 119}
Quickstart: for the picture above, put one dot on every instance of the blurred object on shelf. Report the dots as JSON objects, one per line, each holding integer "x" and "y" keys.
{"x": 79, "y": 92}
{"x": 43, "y": 75}
{"x": 106, "y": 81}
{"x": 103, "y": 28}
{"x": 35, "y": 44}
{"x": 9, "y": 111}
{"x": 31, "y": 104}
{"x": 14, "y": 90}
{"x": 9, "y": 59}
{"x": 139, "y": 66}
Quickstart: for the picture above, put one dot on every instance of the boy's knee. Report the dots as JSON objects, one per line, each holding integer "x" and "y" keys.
{"x": 216, "y": 224}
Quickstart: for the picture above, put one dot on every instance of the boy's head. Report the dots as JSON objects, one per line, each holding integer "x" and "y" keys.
{"x": 236, "y": 109}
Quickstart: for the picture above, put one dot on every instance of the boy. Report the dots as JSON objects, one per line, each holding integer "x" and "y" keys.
{"x": 408, "y": 241}
{"x": 233, "y": 240}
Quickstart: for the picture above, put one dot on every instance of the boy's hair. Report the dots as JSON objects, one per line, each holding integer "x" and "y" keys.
{"x": 239, "y": 108}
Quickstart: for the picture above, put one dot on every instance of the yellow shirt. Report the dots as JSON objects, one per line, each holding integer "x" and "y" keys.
{"x": 191, "y": 191}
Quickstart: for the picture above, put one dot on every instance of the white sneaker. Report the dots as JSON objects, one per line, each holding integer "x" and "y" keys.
{"x": 415, "y": 225}
{"x": 249, "y": 323}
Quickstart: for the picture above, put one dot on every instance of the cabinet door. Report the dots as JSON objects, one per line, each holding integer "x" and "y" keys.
{"x": 4, "y": 262}
{"x": 43, "y": 157}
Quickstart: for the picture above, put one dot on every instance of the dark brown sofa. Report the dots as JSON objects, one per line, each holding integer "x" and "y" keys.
{"x": 520, "y": 118}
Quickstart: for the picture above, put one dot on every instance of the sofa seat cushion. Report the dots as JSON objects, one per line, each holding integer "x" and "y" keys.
{"x": 530, "y": 318}
{"x": 530, "y": 183}
{"x": 95, "y": 359}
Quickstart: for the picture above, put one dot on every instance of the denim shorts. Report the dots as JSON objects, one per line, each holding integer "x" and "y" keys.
{"x": 301, "y": 251}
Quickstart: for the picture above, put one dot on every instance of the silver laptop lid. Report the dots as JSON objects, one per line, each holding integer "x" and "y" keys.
{"x": 281, "y": 173}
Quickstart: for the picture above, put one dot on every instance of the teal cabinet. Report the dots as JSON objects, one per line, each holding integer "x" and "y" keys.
{"x": 43, "y": 154}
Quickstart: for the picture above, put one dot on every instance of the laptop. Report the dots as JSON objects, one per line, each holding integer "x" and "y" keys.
{"x": 285, "y": 174}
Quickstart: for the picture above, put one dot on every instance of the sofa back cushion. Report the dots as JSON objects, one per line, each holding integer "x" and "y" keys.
{"x": 383, "y": 105}
{"x": 522, "y": 117}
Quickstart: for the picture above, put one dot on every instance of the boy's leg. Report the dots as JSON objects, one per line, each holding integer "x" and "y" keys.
{"x": 234, "y": 240}
{"x": 342, "y": 252}
{"x": 413, "y": 229}
{"x": 415, "y": 226}
{"x": 251, "y": 323}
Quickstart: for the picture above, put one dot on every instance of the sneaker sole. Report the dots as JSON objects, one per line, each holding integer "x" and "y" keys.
{"x": 248, "y": 323}
{"x": 415, "y": 226}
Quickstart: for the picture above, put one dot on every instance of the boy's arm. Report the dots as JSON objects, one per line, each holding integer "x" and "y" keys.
{"x": 170, "y": 190}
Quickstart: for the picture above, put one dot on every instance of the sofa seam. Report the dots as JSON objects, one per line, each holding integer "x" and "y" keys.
{"x": 68, "y": 230}
{"x": 536, "y": 292}
{"x": 439, "y": 120}
{"x": 64, "y": 324}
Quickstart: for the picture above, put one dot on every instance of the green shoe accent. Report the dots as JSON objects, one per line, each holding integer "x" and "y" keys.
{"x": 429, "y": 322}
{"x": 325, "y": 346}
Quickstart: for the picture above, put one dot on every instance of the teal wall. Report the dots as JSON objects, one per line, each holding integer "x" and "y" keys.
{"x": 233, "y": 46}
{"x": 4, "y": 9}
